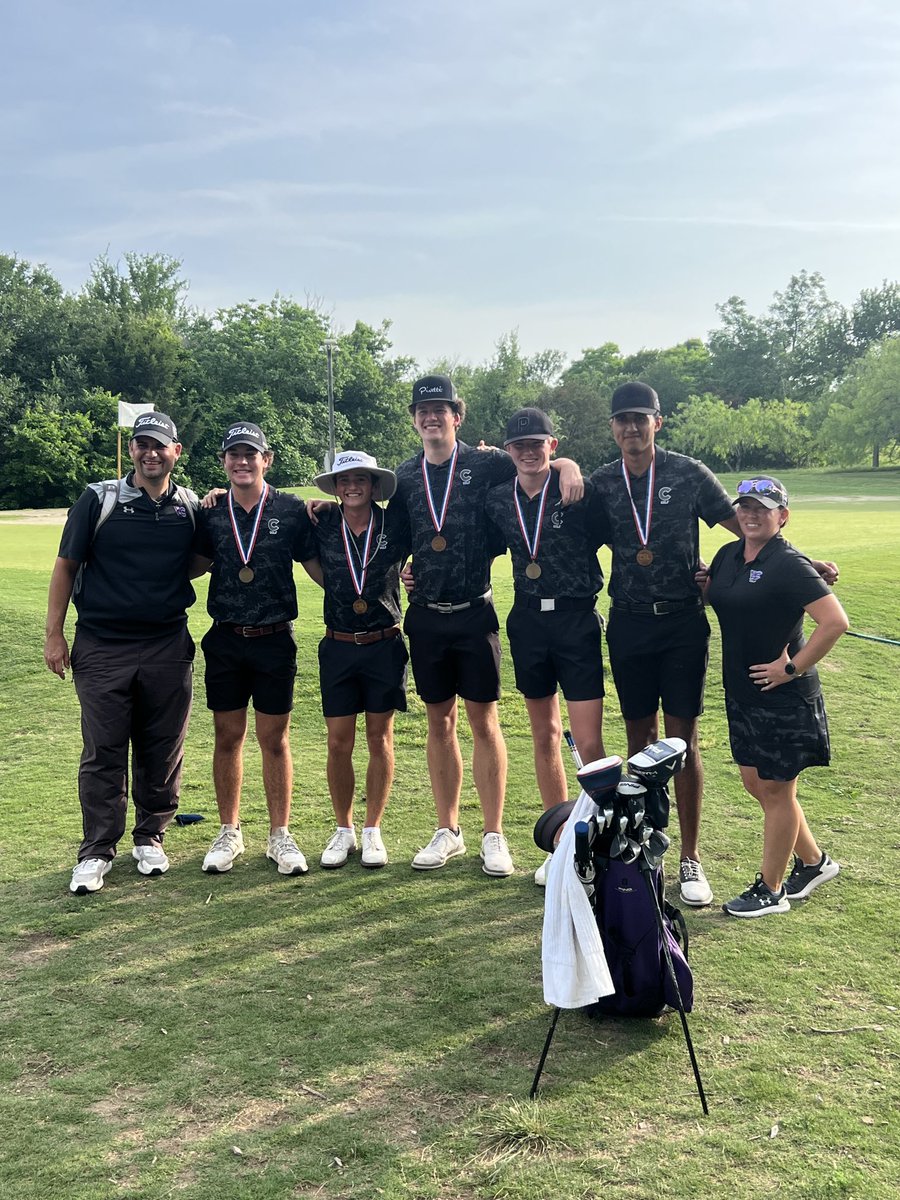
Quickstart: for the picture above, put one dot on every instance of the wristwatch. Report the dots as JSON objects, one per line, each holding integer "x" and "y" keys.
{"x": 791, "y": 669}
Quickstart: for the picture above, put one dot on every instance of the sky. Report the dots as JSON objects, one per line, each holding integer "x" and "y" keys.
{"x": 581, "y": 172}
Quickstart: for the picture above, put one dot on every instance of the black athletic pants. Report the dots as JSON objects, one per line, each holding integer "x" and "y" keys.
{"x": 137, "y": 693}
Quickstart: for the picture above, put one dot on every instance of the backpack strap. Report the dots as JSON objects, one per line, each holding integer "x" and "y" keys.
{"x": 675, "y": 917}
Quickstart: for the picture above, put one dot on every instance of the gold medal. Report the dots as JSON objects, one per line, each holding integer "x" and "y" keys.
{"x": 439, "y": 544}
{"x": 645, "y": 557}
{"x": 533, "y": 570}
{"x": 360, "y": 606}
{"x": 245, "y": 574}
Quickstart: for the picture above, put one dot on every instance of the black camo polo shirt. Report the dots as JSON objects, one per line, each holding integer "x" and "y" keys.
{"x": 685, "y": 492}
{"x": 381, "y": 593}
{"x": 570, "y": 538}
{"x": 462, "y": 570}
{"x": 285, "y": 537}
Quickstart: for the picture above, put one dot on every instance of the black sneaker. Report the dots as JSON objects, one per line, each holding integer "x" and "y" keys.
{"x": 758, "y": 901}
{"x": 803, "y": 879}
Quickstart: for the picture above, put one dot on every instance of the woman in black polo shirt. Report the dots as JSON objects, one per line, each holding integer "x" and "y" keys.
{"x": 760, "y": 589}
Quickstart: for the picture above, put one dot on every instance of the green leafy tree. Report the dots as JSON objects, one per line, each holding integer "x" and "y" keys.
{"x": 864, "y": 417}
{"x": 767, "y": 434}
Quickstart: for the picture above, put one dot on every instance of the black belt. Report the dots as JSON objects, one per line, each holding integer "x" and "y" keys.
{"x": 442, "y": 607}
{"x": 563, "y": 604}
{"x": 659, "y": 608}
{"x": 364, "y": 639}
{"x": 252, "y": 631}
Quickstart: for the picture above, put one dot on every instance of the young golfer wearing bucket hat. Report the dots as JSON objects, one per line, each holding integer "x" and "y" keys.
{"x": 362, "y": 657}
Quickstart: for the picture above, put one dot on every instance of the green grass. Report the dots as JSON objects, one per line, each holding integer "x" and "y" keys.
{"x": 374, "y": 1034}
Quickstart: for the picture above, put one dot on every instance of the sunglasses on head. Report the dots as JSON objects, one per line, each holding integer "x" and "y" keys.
{"x": 762, "y": 487}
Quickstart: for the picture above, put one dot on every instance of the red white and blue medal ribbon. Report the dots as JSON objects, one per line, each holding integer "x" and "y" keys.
{"x": 643, "y": 531}
{"x": 534, "y": 543}
{"x": 351, "y": 552}
{"x": 437, "y": 519}
{"x": 246, "y": 555}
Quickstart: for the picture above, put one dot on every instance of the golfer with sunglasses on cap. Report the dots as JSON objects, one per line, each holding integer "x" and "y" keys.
{"x": 761, "y": 589}
{"x": 362, "y": 657}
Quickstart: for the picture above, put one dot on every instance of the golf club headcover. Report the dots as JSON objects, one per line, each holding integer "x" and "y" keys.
{"x": 550, "y": 823}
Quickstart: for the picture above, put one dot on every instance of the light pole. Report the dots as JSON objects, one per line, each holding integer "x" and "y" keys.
{"x": 330, "y": 347}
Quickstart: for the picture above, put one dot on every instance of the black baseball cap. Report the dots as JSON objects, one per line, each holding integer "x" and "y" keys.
{"x": 768, "y": 490}
{"x": 434, "y": 387}
{"x": 156, "y": 425}
{"x": 528, "y": 423}
{"x": 244, "y": 433}
{"x": 634, "y": 397}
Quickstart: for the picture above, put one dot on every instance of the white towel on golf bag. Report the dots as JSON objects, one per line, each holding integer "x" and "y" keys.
{"x": 575, "y": 969}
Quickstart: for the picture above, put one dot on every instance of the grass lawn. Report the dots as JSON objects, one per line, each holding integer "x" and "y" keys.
{"x": 374, "y": 1034}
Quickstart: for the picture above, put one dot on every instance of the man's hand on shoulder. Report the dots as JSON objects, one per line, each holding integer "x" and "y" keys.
{"x": 211, "y": 498}
{"x": 828, "y": 571}
{"x": 571, "y": 481}
{"x": 314, "y": 507}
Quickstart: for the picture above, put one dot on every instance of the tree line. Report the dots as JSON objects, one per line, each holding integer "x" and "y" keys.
{"x": 807, "y": 382}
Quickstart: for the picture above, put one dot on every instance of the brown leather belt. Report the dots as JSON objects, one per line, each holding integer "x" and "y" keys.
{"x": 252, "y": 631}
{"x": 364, "y": 639}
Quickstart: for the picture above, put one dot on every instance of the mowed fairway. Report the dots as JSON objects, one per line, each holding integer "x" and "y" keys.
{"x": 374, "y": 1033}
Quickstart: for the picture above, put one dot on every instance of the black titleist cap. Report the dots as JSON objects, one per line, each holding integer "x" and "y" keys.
{"x": 244, "y": 433}
{"x": 634, "y": 397}
{"x": 157, "y": 426}
{"x": 528, "y": 423}
{"x": 433, "y": 387}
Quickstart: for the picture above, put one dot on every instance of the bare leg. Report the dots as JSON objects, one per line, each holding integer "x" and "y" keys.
{"x": 339, "y": 767}
{"x": 781, "y": 822}
{"x": 488, "y": 762}
{"x": 586, "y": 724}
{"x": 228, "y": 762}
{"x": 380, "y": 771}
{"x": 273, "y": 735}
{"x": 688, "y": 784}
{"x": 444, "y": 762}
{"x": 546, "y": 737}
{"x": 642, "y": 732}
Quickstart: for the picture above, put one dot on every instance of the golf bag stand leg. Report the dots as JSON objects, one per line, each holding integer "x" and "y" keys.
{"x": 681, "y": 1012}
{"x": 544, "y": 1053}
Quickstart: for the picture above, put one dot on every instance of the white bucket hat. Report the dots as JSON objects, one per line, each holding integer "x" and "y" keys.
{"x": 384, "y": 484}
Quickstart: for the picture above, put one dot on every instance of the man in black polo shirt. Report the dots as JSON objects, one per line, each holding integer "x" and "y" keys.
{"x": 555, "y": 633}
{"x": 451, "y": 622}
{"x": 658, "y": 634}
{"x": 253, "y": 535}
{"x": 126, "y": 551}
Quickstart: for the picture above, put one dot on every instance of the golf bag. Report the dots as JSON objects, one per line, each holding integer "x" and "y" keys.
{"x": 629, "y": 928}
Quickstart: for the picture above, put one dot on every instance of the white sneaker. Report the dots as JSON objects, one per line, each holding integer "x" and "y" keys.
{"x": 282, "y": 849}
{"x": 695, "y": 889}
{"x": 373, "y": 851}
{"x": 224, "y": 850}
{"x": 495, "y": 855}
{"x": 540, "y": 875}
{"x": 444, "y": 845}
{"x": 150, "y": 860}
{"x": 341, "y": 845}
{"x": 88, "y": 875}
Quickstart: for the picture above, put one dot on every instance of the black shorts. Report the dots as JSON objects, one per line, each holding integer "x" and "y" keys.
{"x": 779, "y": 742}
{"x": 659, "y": 659}
{"x": 356, "y": 679}
{"x": 550, "y": 648}
{"x": 454, "y": 654}
{"x": 238, "y": 668}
